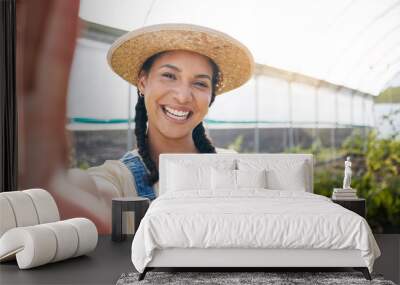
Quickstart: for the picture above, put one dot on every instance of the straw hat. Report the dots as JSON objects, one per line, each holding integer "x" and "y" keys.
{"x": 128, "y": 53}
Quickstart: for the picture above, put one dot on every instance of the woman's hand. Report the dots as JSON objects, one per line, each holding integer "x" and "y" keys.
{"x": 77, "y": 195}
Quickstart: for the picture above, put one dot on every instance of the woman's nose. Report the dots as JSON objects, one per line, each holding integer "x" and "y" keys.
{"x": 183, "y": 94}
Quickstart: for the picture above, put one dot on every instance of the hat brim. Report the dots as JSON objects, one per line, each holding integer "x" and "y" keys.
{"x": 128, "y": 53}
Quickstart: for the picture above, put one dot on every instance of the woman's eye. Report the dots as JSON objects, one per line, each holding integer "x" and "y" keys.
{"x": 202, "y": 84}
{"x": 169, "y": 75}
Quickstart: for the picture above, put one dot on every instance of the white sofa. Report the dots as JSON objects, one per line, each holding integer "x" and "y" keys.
{"x": 31, "y": 231}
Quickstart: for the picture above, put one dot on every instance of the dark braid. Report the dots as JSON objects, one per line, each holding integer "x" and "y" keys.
{"x": 200, "y": 138}
{"x": 202, "y": 142}
{"x": 142, "y": 139}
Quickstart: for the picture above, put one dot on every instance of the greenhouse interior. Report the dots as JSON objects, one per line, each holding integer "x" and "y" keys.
{"x": 258, "y": 140}
{"x": 326, "y": 82}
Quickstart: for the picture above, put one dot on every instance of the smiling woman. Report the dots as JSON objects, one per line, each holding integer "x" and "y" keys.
{"x": 175, "y": 89}
{"x": 178, "y": 71}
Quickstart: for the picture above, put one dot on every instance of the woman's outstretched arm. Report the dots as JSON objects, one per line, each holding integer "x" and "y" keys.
{"x": 80, "y": 194}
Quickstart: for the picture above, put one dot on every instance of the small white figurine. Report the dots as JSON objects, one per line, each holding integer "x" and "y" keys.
{"x": 347, "y": 174}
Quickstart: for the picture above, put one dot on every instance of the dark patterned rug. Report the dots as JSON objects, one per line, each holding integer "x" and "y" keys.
{"x": 230, "y": 278}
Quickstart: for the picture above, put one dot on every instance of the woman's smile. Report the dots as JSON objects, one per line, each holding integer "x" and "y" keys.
{"x": 177, "y": 115}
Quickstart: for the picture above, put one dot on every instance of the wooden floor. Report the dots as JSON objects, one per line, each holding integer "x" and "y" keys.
{"x": 110, "y": 259}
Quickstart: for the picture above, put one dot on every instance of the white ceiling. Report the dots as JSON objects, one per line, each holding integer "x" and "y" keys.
{"x": 346, "y": 42}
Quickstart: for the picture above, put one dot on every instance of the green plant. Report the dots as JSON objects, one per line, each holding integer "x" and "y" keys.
{"x": 391, "y": 118}
{"x": 376, "y": 176}
{"x": 390, "y": 95}
{"x": 236, "y": 145}
{"x": 379, "y": 182}
{"x": 376, "y": 173}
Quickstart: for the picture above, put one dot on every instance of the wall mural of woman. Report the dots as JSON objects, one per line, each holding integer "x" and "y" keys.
{"x": 178, "y": 70}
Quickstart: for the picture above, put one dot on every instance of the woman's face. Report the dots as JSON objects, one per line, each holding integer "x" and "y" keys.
{"x": 177, "y": 92}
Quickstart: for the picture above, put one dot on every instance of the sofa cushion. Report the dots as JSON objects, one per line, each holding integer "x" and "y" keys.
{"x": 40, "y": 244}
{"x": 7, "y": 216}
{"x": 23, "y": 208}
{"x": 45, "y": 205}
{"x": 27, "y": 208}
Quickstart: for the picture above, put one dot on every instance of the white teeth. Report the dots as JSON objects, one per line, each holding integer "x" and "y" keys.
{"x": 176, "y": 112}
{"x": 175, "y": 117}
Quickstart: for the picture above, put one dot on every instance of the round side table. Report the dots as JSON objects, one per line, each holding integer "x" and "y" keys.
{"x": 139, "y": 205}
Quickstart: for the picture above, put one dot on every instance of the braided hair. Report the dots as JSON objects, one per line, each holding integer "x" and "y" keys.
{"x": 201, "y": 141}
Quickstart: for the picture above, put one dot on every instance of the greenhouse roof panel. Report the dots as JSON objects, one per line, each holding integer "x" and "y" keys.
{"x": 346, "y": 42}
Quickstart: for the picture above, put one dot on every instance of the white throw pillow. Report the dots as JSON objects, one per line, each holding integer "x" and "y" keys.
{"x": 294, "y": 180}
{"x": 181, "y": 177}
{"x": 281, "y": 174}
{"x": 251, "y": 178}
{"x": 223, "y": 179}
